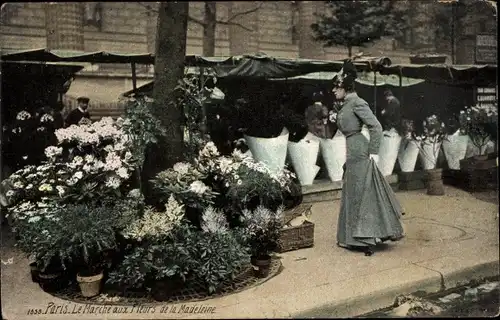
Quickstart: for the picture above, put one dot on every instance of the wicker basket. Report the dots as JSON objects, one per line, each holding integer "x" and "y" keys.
{"x": 297, "y": 237}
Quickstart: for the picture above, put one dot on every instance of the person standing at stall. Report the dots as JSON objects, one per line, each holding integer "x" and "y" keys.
{"x": 79, "y": 113}
{"x": 369, "y": 210}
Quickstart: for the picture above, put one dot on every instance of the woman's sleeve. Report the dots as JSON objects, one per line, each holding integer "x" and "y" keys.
{"x": 364, "y": 113}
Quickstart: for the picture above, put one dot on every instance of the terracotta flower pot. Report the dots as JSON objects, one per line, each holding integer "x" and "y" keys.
{"x": 90, "y": 286}
{"x": 51, "y": 282}
{"x": 35, "y": 271}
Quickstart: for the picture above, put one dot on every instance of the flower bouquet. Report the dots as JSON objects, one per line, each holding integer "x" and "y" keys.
{"x": 479, "y": 123}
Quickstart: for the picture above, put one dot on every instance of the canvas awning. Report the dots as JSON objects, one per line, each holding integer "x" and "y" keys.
{"x": 45, "y": 55}
{"x": 377, "y": 79}
{"x": 441, "y": 73}
{"x": 263, "y": 66}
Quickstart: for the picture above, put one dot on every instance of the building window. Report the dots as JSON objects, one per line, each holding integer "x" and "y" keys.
{"x": 294, "y": 22}
{"x": 93, "y": 14}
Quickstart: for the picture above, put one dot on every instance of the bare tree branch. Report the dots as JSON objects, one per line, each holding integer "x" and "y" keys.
{"x": 227, "y": 23}
{"x": 147, "y": 7}
{"x": 201, "y": 23}
{"x": 234, "y": 16}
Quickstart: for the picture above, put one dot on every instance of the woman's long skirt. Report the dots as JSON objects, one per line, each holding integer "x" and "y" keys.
{"x": 369, "y": 209}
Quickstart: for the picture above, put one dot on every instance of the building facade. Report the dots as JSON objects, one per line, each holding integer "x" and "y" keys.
{"x": 277, "y": 28}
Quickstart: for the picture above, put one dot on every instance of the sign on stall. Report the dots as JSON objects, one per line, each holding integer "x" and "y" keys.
{"x": 486, "y": 49}
{"x": 487, "y": 96}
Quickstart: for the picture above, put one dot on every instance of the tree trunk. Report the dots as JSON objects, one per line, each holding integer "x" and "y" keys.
{"x": 349, "y": 51}
{"x": 169, "y": 69}
{"x": 209, "y": 28}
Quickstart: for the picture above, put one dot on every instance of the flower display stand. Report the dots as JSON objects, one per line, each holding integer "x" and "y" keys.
{"x": 294, "y": 237}
{"x": 270, "y": 151}
{"x": 303, "y": 156}
{"x": 389, "y": 149}
{"x": 408, "y": 154}
{"x": 479, "y": 174}
{"x": 414, "y": 180}
{"x": 455, "y": 148}
{"x": 334, "y": 155}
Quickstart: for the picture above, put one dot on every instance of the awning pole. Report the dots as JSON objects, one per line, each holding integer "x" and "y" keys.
{"x": 134, "y": 76}
{"x": 375, "y": 93}
{"x": 401, "y": 88}
{"x": 203, "y": 127}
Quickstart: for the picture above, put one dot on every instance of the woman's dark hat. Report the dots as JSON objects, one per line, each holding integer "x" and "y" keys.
{"x": 347, "y": 75}
{"x": 83, "y": 99}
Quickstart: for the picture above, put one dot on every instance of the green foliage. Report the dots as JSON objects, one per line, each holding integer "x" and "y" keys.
{"x": 193, "y": 96}
{"x": 356, "y": 23}
{"x": 262, "y": 230}
{"x": 218, "y": 257}
{"x": 158, "y": 260}
{"x": 78, "y": 234}
{"x": 142, "y": 127}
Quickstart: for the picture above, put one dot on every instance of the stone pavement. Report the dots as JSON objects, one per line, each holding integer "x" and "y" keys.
{"x": 451, "y": 239}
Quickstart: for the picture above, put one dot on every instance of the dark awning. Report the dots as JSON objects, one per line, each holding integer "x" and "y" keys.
{"x": 45, "y": 55}
{"x": 442, "y": 73}
{"x": 263, "y": 66}
{"x": 25, "y": 69}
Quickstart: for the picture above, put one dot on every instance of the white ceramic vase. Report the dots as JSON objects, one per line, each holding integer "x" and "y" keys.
{"x": 454, "y": 149}
{"x": 389, "y": 149}
{"x": 408, "y": 154}
{"x": 429, "y": 152}
{"x": 270, "y": 151}
{"x": 334, "y": 155}
{"x": 303, "y": 156}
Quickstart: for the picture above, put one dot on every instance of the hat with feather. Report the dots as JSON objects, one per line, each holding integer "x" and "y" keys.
{"x": 346, "y": 77}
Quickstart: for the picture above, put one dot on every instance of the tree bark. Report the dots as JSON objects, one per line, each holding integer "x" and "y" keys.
{"x": 169, "y": 69}
{"x": 349, "y": 51}
{"x": 210, "y": 21}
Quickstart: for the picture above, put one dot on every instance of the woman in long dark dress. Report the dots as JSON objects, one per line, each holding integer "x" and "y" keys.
{"x": 370, "y": 212}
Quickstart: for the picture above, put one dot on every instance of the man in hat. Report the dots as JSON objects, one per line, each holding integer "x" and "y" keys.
{"x": 79, "y": 113}
{"x": 391, "y": 113}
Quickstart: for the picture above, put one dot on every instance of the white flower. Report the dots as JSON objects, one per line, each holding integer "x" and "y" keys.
{"x": 60, "y": 190}
{"x": 122, "y": 173}
{"x": 46, "y": 118}
{"x": 52, "y": 152}
{"x": 332, "y": 116}
{"x": 18, "y": 185}
{"x": 45, "y": 187}
{"x": 155, "y": 223}
{"x": 10, "y": 193}
{"x": 34, "y": 219}
{"x": 240, "y": 182}
{"x": 198, "y": 187}
{"x": 78, "y": 175}
{"x": 182, "y": 168}
{"x": 113, "y": 162}
{"x": 23, "y": 115}
{"x": 214, "y": 221}
{"x": 113, "y": 182}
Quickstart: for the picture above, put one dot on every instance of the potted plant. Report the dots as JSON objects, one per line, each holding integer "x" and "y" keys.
{"x": 254, "y": 184}
{"x": 303, "y": 149}
{"x": 262, "y": 227}
{"x": 158, "y": 262}
{"x": 409, "y": 149}
{"x": 263, "y": 124}
{"x": 480, "y": 122}
{"x": 456, "y": 140}
{"x": 332, "y": 141}
{"x": 217, "y": 253}
{"x": 434, "y": 133}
